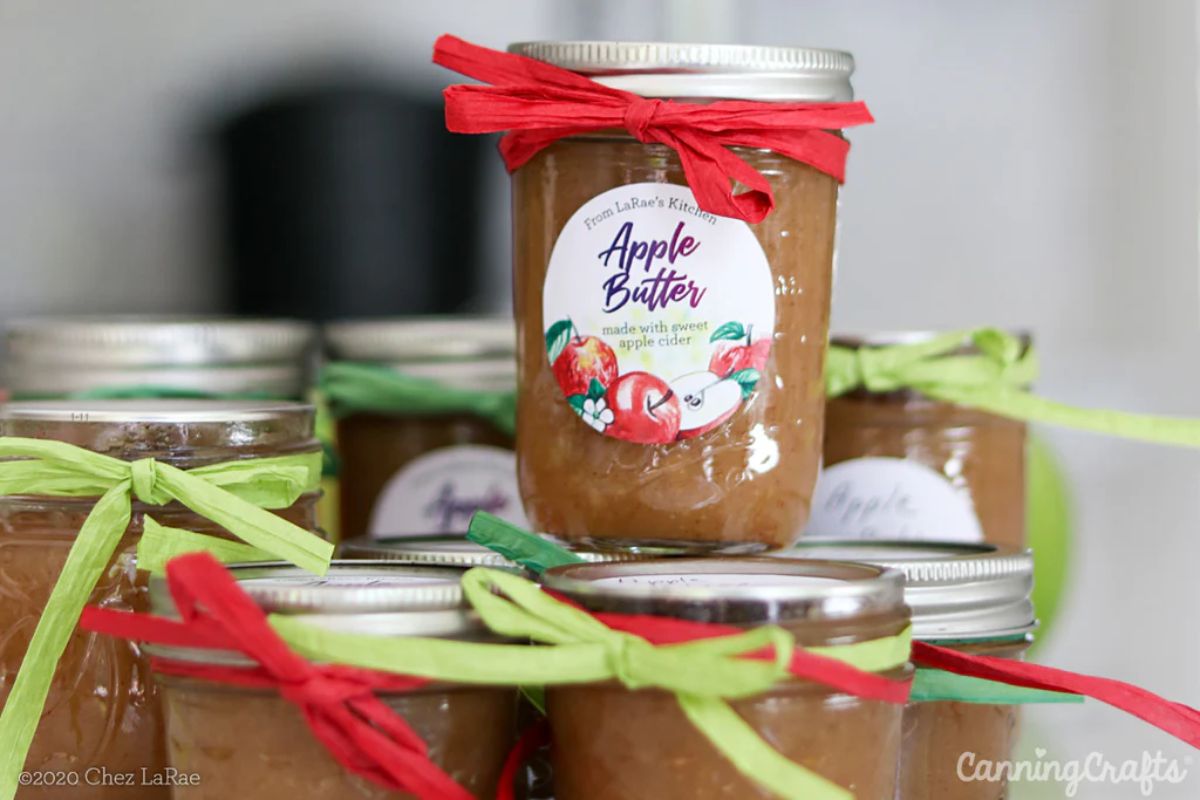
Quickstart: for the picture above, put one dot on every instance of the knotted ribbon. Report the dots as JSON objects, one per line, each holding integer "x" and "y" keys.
{"x": 235, "y": 495}
{"x": 339, "y": 703}
{"x": 351, "y": 387}
{"x": 538, "y": 103}
{"x": 994, "y": 380}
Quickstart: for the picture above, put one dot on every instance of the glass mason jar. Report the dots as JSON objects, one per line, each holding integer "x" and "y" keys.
{"x": 671, "y": 360}
{"x": 152, "y": 356}
{"x": 619, "y": 744}
{"x": 418, "y": 473}
{"x": 102, "y": 711}
{"x": 900, "y": 465}
{"x": 973, "y": 598}
{"x": 469, "y": 729}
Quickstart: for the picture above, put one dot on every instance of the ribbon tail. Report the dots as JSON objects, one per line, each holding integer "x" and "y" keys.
{"x": 935, "y": 685}
{"x": 753, "y": 757}
{"x": 159, "y": 544}
{"x": 535, "y": 737}
{"x": 1177, "y": 719}
{"x": 1017, "y": 404}
{"x": 517, "y": 544}
{"x": 86, "y": 562}
{"x": 255, "y": 526}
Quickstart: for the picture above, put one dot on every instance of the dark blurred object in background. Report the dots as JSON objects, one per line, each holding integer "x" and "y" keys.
{"x": 347, "y": 201}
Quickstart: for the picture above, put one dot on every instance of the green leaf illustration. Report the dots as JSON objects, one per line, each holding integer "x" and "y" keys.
{"x": 575, "y": 401}
{"x": 557, "y": 337}
{"x": 730, "y": 330}
{"x": 596, "y": 390}
{"x": 747, "y": 379}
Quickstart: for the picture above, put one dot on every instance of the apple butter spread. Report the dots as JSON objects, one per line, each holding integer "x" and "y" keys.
{"x": 102, "y": 712}
{"x": 422, "y": 470}
{"x": 469, "y": 730}
{"x": 158, "y": 356}
{"x": 670, "y": 360}
{"x": 613, "y": 743}
{"x": 900, "y": 465}
{"x": 974, "y": 598}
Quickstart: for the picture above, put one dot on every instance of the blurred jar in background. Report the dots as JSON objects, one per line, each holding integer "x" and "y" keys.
{"x": 147, "y": 357}
{"x": 900, "y": 465}
{"x": 424, "y": 410}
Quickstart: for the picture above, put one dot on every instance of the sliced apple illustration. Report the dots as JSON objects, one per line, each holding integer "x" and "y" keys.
{"x": 706, "y": 400}
{"x": 645, "y": 410}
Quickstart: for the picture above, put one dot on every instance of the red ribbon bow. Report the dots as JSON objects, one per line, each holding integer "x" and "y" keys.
{"x": 539, "y": 103}
{"x": 339, "y": 703}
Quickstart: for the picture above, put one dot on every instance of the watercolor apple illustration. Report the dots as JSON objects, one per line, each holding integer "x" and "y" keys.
{"x": 578, "y": 360}
{"x": 706, "y": 400}
{"x": 737, "y": 350}
{"x": 644, "y": 408}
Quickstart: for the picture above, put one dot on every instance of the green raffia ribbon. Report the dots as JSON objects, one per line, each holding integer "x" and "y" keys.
{"x": 235, "y": 495}
{"x": 517, "y": 544}
{"x": 539, "y": 554}
{"x": 158, "y": 544}
{"x": 579, "y": 649}
{"x": 934, "y": 685}
{"x": 992, "y": 380}
{"x": 351, "y": 386}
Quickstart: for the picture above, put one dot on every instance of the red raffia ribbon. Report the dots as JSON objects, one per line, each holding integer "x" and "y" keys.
{"x": 339, "y": 703}
{"x": 1179, "y": 720}
{"x": 538, "y": 103}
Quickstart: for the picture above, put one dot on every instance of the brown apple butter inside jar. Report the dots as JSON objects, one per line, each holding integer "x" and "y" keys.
{"x": 974, "y": 598}
{"x": 900, "y": 465}
{"x": 102, "y": 713}
{"x": 613, "y": 743}
{"x": 469, "y": 730}
{"x": 418, "y": 471}
{"x": 671, "y": 360}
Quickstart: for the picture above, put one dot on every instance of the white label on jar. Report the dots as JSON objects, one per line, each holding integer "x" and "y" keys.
{"x": 723, "y": 580}
{"x": 890, "y": 498}
{"x": 658, "y": 316}
{"x": 439, "y": 491}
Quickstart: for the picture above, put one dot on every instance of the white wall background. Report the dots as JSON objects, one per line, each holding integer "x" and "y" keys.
{"x": 1034, "y": 164}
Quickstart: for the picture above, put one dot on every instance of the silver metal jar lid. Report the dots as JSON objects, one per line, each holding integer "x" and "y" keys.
{"x": 738, "y": 589}
{"x": 153, "y": 411}
{"x": 53, "y": 356}
{"x": 465, "y": 352}
{"x": 367, "y": 597}
{"x": 955, "y": 591}
{"x": 450, "y": 550}
{"x": 733, "y": 71}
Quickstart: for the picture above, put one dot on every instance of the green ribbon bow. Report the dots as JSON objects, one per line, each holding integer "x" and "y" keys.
{"x": 993, "y": 380}
{"x": 235, "y": 495}
{"x": 351, "y": 387}
{"x": 578, "y": 649}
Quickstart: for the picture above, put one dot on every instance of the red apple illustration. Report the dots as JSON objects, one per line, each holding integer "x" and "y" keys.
{"x": 645, "y": 410}
{"x": 731, "y": 357}
{"x": 706, "y": 400}
{"x": 584, "y": 359}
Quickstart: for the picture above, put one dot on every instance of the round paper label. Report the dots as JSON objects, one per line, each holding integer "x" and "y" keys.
{"x": 659, "y": 316}
{"x": 890, "y": 498}
{"x": 439, "y": 491}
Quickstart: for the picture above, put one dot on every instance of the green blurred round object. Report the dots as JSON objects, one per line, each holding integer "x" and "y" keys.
{"x": 1048, "y": 510}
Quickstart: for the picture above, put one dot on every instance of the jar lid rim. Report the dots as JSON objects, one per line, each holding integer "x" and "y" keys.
{"x": 150, "y": 411}
{"x": 418, "y": 339}
{"x": 774, "y": 587}
{"x": 698, "y": 70}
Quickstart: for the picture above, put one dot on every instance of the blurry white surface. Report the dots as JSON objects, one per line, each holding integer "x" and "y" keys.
{"x": 1034, "y": 164}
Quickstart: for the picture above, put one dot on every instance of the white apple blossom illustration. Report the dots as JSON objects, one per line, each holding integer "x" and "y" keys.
{"x": 595, "y": 412}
